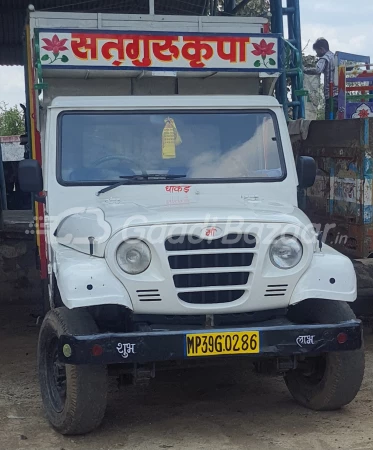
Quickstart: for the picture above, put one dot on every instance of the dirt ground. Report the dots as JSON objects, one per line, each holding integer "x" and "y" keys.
{"x": 209, "y": 409}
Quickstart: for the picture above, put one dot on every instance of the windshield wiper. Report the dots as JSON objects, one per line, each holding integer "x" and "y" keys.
{"x": 112, "y": 186}
{"x": 148, "y": 176}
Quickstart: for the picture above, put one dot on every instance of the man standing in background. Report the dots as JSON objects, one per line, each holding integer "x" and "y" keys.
{"x": 326, "y": 66}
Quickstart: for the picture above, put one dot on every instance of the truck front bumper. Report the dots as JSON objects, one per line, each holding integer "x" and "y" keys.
{"x": 274, "y": 340}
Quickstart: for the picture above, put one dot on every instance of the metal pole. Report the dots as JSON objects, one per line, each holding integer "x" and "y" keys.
{"x": 151, "y": 7}
{"x": 297, "y": 27}
{"x": 229, "y": 6}
{"x": 273, "y": 16}
{"x": 298, "y": 39}
{"x": 3, "y": 203}
{"x": 278, "y": 14}
{"x": 289, "y": 11}
{"x": 278, "y": 27}
{"x": 214, "y": 7}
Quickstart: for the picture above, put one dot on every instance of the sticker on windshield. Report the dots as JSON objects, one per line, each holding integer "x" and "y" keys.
{"x": 170, "y": 139}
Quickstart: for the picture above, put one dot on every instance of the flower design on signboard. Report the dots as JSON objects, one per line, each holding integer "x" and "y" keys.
{"x": 264, "y": 50}
{"x": 56, "y": 46}
{"x": 362, "y": 112}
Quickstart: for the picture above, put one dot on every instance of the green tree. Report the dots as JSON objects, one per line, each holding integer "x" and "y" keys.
{"x": 11, "y": 120}
{"x": 309, "y": 62}
{"x": 254, "y": 8}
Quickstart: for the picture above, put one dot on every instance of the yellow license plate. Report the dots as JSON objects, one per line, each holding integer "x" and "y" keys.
{"x": 227, "y": 343}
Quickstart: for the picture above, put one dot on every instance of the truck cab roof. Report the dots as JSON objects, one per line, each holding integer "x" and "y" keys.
{"x": 170, "y": 101}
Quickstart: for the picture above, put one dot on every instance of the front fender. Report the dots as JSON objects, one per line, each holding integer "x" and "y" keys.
{"x": 331, "y": 276}
{"x": 85, "y": 280}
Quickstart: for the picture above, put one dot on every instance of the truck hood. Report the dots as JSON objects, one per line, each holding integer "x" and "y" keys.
{"x": 133, "y": 214}
{"x": 89, "y": 229}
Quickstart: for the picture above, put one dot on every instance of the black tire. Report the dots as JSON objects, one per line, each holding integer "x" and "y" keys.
{"x": 337, "y": 376}
{"x": 74, "y": 397}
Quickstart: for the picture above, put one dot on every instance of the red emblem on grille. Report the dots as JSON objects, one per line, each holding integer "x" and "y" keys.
{"x": 210, "y": 232}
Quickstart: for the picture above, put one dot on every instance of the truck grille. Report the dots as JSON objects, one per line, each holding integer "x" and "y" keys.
{"x": 211, "y": 279}
{"x": 210, "y": 260}
{"x": 191, "y": 252}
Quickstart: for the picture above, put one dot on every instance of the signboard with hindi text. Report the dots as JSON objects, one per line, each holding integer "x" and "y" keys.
{"x": 157, "y": 51}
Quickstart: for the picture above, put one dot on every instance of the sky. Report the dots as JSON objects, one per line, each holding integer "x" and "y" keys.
{"x": 344, "y": 23}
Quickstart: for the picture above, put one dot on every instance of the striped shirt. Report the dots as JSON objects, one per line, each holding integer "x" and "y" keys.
{"x": 326, "y": 65}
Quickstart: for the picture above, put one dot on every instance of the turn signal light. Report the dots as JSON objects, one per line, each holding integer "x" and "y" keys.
{"x": 97, "y": 350}
{"x": 342, "y": 338}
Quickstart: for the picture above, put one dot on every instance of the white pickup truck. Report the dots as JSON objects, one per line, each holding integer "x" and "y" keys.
{"x": 166, "y": 193}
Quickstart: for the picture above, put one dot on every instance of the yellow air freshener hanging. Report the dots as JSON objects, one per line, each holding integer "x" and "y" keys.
{"x": 170, "y": 139}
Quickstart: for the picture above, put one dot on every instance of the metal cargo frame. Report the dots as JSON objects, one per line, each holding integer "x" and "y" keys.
{"x": 342, "y": 195}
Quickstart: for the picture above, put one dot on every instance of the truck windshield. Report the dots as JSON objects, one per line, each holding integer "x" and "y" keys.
{"x": 103, "y": 147}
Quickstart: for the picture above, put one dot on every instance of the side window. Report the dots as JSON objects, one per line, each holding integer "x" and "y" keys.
{"x": 270, "y": 145}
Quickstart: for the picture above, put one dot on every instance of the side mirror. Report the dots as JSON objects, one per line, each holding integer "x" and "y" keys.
{"x": 30, "y": 176}
{"x": 23, "y": 139}
{"x": 306, "y": 170}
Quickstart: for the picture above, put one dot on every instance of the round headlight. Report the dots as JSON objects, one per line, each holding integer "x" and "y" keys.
{"x": 286, "y": 252}
{"x": 133, "y": 256}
